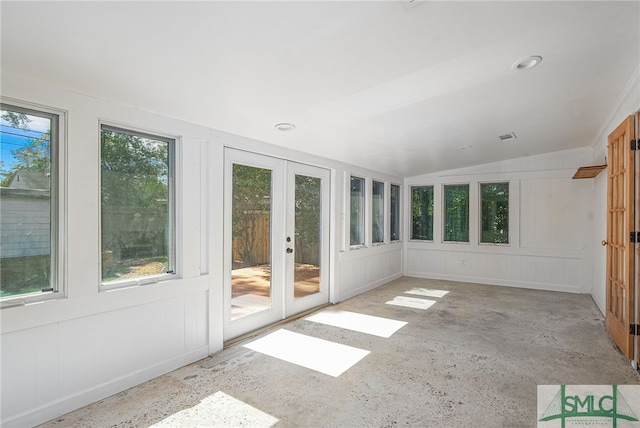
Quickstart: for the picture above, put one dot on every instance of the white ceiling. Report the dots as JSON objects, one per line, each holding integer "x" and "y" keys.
{"x": 388, "y": 85}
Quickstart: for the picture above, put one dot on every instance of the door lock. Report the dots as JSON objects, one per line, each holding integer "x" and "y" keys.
{"x": 289, "y": 250}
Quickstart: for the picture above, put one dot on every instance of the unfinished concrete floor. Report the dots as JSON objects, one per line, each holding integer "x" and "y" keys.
{"x": 471, "y": 359}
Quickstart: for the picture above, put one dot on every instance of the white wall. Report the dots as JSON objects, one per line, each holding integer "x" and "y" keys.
{"x": 550, "y": 226}
{"x": 628, "y": 103}
{"x": 61, "y": 354}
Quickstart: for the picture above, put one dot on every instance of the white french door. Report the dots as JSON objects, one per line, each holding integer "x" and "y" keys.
{"x": 276, "y": 240}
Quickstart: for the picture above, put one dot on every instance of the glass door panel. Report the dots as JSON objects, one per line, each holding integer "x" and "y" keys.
{"x": 251, "y": 240}
{"x": 308, "y": 239}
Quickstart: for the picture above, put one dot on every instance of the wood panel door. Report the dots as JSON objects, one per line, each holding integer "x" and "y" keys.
{"x": 620, "y": 226}
{"x": 637, "y": 288}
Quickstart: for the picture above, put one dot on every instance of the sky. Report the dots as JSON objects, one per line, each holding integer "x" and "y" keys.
{"x": 14, "y": 138}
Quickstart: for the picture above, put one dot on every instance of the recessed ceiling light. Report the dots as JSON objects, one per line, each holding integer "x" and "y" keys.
{"x": 285, "y": 126}
{"x": 527, "y": 63}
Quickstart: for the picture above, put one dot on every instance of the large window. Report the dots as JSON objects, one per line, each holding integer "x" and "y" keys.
{"x": 494, "y": 201}
{"x": 137, "y": 206}
{"x": 422, "y": 213}
{"x": 377, "y": 212}
{"x": 394, "y": 218}
{"x": 29, "y": 145}
{"x": 357, "y": 212}
{"x": 456, "y": 213}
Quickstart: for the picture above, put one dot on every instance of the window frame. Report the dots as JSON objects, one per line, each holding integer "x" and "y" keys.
{"x": 57, "y": 202}
{"x": 382, "y": 211}
{"x": 480, "y": 241}
{"x": 172, "y": 256}
{"x": 362, "y": 216}
{"x": 399, "y": 212}
{"x": 444, "y": 212}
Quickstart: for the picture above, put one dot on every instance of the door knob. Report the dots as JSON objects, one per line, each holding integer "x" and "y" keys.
{"x": 289, "y": 250}
{"x": 604, "y": 242}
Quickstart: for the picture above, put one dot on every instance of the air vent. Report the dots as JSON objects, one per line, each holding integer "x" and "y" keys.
{"x": 507, "y": 137}
{"x": 410, "y": 4}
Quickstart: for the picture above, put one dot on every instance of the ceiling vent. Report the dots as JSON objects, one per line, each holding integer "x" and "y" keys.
{"x": 507, "y": 137}
{"x": 410, "y": 4}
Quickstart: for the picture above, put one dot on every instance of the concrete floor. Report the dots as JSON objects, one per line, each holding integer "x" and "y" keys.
{"x": 472, "y": 359}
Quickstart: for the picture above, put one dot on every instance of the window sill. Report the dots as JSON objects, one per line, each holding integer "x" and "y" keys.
{"x": 357, "y": 247}
{"x": 30, "y": 299}
{"x": 140, "y": 282}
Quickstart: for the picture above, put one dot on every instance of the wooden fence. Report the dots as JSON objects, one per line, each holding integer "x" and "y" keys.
{"x": 252, "y": 239}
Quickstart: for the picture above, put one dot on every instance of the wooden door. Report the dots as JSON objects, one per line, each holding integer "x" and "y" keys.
{"x": 620, "y": 226}
{"x": 637, "y": 296}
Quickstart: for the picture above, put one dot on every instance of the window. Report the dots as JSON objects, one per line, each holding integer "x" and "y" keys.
{"x": 422, "y": 213}
{"x": 494, "y": 202}
{"x": 377, "y": 212}
{"x": 29, "y": 227}
{"x": 137, "y": 205}
{"x": 456, "y": 213}
{"x": 357, "y": 212}
{"x": 394, "y": 218}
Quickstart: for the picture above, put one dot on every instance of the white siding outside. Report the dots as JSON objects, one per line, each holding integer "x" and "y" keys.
{"x": 24, "y": 223}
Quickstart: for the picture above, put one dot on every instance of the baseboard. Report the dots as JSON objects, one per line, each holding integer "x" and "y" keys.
{"x": 491, "y": 281}
{"x": 599, "y": 303}
{"x": 83, "y": 398}
{"x": 368, "y": 287}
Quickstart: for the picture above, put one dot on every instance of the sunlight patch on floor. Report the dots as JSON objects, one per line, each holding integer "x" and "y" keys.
{"x": 219, "y": 410}
{"x": 427, "y": 292}
{"x": 411, "y": 302}
{"x": 316, "y": 354}
{"x": 377, "y": 326}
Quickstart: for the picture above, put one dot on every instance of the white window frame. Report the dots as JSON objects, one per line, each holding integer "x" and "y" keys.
{"x": 57, "y": 198}
{"x": 174, "y": 142}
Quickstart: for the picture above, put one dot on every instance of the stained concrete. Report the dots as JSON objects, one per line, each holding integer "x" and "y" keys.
{"x": 473, "y": 358}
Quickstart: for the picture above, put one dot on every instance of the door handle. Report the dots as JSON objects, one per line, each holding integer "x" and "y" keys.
{"x": 604, "y": 243}
{"x": 289, "y": 250}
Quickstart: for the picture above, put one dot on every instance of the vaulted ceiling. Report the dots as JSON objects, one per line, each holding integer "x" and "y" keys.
{"x": 396, "y": 86}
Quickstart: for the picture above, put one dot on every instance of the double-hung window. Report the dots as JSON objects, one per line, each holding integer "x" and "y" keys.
{"x": 456, "y": 213}
{"x": 494, "y": 217}
{"x": 29, "y": 204}
{"x": 377, "y": 212}
{"x": 137, "y": 206}
{"x": 357, "y": 206}
{"x": 422, "y": 213}
{"x": 394, "y": 217}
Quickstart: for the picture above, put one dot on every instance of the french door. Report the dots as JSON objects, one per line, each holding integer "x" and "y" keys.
{"x": 276, "y": 240}
{"x": 621, "y": 236}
